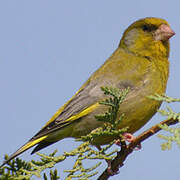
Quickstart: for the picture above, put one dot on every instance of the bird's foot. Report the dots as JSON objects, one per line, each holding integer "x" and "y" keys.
{"x": 129, "y": 138}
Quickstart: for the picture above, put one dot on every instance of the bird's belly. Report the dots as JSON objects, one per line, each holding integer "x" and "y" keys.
{"x": 138, "y": 113}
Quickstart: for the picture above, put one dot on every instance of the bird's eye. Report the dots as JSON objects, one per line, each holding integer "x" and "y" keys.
{"x": 145, "y": 28}
{"x": 148, "y": 28}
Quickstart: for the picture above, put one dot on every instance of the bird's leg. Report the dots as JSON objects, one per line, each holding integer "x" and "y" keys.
{"x": 129, "y": 138}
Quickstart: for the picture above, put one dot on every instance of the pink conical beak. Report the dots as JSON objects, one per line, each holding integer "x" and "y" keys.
{"x": 164, "y": 32}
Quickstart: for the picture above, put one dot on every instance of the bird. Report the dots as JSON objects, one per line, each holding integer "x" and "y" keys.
{"x": 139, "y": 63}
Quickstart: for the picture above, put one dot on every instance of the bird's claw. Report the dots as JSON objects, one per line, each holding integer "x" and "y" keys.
{"x": 129, "y": 138}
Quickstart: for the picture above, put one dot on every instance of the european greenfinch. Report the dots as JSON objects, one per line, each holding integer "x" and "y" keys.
{"x": 140, "y": 62}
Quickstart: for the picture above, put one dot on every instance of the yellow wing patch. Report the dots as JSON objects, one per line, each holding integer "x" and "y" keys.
{"x": 83, "y": 113}
{"x": 32, "y": 143}
{"x": 59, "y": 111}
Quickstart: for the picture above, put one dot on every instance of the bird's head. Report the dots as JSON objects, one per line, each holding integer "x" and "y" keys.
{"x": 148, "y": 37}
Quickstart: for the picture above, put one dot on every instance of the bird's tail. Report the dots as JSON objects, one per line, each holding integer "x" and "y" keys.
{"x": 25, "y": 147}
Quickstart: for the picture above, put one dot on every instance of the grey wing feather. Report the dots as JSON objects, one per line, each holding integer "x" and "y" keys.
{"x": 81, "y": 101}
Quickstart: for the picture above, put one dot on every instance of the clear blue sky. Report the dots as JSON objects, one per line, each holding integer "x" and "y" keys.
{"x": 49, "y": 48}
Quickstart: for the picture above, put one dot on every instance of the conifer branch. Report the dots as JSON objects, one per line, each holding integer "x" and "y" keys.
{"x": 18, "y": 169}
{"x": 126, "y": 150}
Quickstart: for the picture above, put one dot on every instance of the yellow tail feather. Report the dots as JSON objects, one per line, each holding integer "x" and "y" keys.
{"x": 25, "y": 147}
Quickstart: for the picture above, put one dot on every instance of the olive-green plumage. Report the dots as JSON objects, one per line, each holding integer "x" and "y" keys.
{"x": 140, "y": 63}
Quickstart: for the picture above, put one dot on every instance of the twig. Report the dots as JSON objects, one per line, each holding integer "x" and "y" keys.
{"x": 126, "y": 150}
